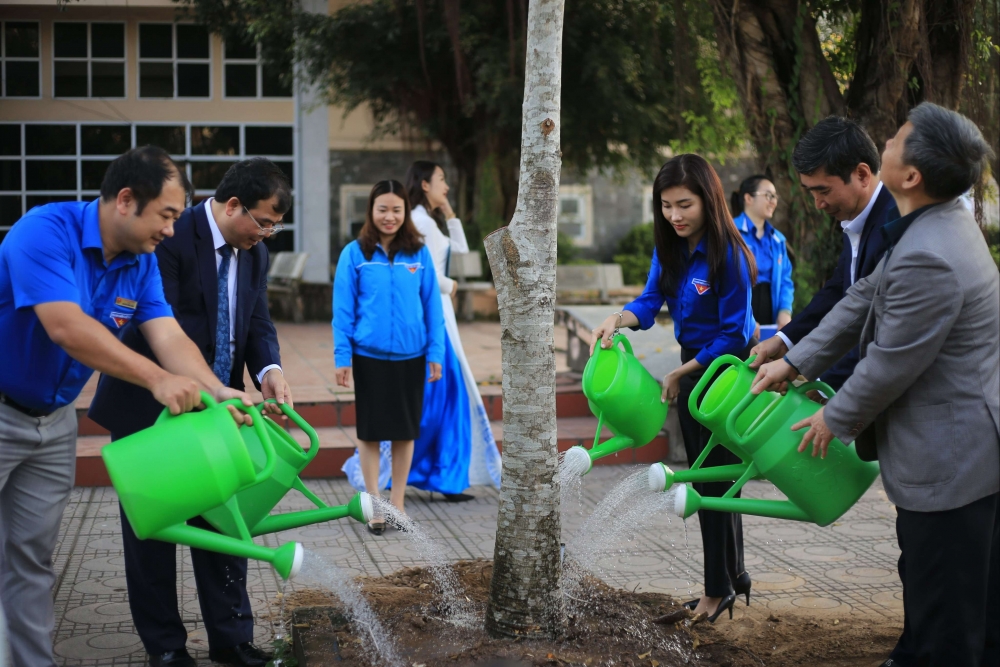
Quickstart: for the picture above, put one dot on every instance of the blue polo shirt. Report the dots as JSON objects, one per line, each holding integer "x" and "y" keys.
{"x": 714, "y": 319}
{"x": 54, "y": 253}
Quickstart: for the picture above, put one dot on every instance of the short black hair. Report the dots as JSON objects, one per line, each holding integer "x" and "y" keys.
{"x": 837, "y": 145}
{"x": 947, "y": 149}
{"x": 254, "y": 180}
{"x": 143, "y": 170}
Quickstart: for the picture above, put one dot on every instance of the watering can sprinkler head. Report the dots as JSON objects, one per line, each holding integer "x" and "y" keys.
{"x": 577, "y": 460}
{"x": 361, "y": 508}
{"x": 288, "y": 560}
{"x": 687, "y": 501}
{"x": 660, "y": 477}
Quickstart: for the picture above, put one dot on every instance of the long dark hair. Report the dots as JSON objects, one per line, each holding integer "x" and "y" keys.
{"x": 420, "y": 171}
{"x": 694, "y": 173}
{"x": 747, "y": 187}
{"x": 407, "y": 239}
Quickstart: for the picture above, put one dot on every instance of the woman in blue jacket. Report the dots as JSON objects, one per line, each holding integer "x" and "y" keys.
{"x": 388, "y": 329}
{"x": 753, "y": 206}
{"x": 704, "y": 271}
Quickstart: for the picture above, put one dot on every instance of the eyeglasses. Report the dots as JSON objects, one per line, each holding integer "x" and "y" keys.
{"x": 264, "y": 231}
{"x": 769, "y": 196}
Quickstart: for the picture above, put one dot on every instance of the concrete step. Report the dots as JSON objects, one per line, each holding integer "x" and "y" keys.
{"x": 337, "y": 444}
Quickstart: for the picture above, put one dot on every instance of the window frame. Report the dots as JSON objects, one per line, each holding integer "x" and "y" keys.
{"x": 259, "y": 77}
{"x": 348, "y": 191}
{"x": 174, "y": 60}
{"x": 583, "y": 193}
{"x": 4, "y": 59}
{"x": 89, "y": 59}
{"x": 187, "y": 158}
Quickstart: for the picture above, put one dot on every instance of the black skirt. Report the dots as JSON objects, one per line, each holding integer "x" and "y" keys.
{"x": 388, "y": 397}
{"x": 760, "y": 304}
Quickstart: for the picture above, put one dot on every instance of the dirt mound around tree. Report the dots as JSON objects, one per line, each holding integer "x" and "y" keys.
{"x": 605, "y": 626}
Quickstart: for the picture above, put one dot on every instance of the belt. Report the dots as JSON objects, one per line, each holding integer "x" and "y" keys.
{"x": 31, "y": 412}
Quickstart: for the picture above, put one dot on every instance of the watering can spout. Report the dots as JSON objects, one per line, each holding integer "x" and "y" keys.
{"x": 660, "y": 477}
{"x": 577, "y": 460}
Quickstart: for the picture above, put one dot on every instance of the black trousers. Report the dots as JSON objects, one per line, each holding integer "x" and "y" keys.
{"x": 950, "y": 568}
{"x": 151, "y": 578}
{"x": 721, "y": 532}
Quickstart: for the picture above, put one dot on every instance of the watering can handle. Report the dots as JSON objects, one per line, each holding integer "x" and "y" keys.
{"x": 302, "y": 424}
{"x": 621, "y": 338}
{"x": 816, "y": 384}
{"x": 706, "y": 377}
{"x": 735, "y": 437}
{"x": 262, "y": 435}
{"x": 206, "y": 398}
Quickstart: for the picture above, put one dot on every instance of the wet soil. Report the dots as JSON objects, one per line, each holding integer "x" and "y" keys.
{"x": 605, "y": 626}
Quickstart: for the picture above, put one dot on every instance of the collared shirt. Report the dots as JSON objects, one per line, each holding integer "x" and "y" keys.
{"x": 219, "y": 240}
{"x": 762, "y": 249}
{"x": 893, "y": 230}
{"x": 713, "y": 318}
{"x": 55, "y": 253}
{"x": 854, "y": 228}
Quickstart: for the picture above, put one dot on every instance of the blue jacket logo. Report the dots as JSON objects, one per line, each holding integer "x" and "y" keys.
{"x": 701, "y": 285}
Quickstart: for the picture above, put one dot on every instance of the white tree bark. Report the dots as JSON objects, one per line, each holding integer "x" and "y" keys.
{"x": 525, "y": 600}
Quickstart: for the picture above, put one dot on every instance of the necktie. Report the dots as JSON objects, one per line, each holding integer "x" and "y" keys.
{"x": 223, "y": 361}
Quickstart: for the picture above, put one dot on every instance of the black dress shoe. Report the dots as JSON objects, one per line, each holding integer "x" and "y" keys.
{"x": 241, "y": 655}
{"x": 457, "y": 497}
{"x": 178, "y": 658}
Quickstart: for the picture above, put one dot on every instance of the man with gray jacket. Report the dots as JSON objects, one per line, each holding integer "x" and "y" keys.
{"x": 926, "y": 391}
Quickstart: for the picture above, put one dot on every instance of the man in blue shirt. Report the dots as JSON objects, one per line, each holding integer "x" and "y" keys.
{"x": 71, "y": 275}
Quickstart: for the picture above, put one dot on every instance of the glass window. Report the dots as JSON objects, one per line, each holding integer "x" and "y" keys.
{"x": 20, "y": 67}
{"x": 92, "y": 173}
{"x": 169, "y": 138}
{"x": 215, "y": 140}
{"x": 50, "y": 174}
{"x": 10, "y": 139}
{"x": 10, "y": 210}
{"x": 10, "y": 174}
{"x": 282, "y": 241}
{"x": 174, "y": 60}
{"x": 88, "y": 60}
{"x": 31, "y": 201}
{"x": 268, "y": 140}
{"x": 50, "y": 139}
{"x": 246, "y": 76}
{"x": 105, "y": 139}
{"x": 208, "y": 175}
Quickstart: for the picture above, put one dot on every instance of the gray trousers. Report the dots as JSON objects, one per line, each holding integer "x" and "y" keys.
{"x": 37, "y": 470}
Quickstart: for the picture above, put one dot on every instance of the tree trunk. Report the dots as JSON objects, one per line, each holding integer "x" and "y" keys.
{"x": 525, "y": 598}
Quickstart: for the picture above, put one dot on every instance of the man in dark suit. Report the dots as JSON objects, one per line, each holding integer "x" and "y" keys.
{"x": 838, "y": 164}
{"x": 215, "y": 278}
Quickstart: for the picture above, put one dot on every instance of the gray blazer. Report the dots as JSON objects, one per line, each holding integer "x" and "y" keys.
{"x": 928, "y": 320}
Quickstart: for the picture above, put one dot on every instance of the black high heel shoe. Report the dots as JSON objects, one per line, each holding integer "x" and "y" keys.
{"x": 727, "y": 603}
{"x": 742, "y": 585}
{"x": 691, "y": 604}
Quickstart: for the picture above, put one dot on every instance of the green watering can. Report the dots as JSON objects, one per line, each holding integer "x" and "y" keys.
{"x": 622, "y": 395}
{"x": 818, "y": 490}
{"x": 720, "y": 400}
{"x": 201, "y": 463}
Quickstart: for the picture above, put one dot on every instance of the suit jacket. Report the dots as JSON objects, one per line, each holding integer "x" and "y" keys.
{"x": 871, "y": 247}
{"x": 929, "y": 376}
{"x": 190, "y": 283}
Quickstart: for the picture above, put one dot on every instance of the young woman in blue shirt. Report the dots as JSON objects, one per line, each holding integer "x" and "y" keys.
{"x": 388, "y": 332}
{"x": 704, "y": 271}
{"x": 753, "y": 205}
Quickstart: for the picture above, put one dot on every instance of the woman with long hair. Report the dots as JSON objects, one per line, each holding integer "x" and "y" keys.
{"x": 753, "y": 205}
{"x": 389, "y": 333}
{"x": 456, "y": 446}
{"x": 704, "y": 271}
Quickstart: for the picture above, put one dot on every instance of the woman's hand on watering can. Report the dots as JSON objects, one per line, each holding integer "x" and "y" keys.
{"x": 606, "y": 332}
{"x": 671, "y": 387}
{"x": 274, "y": 386}
{"x": 819, "y": 434}
{"x": 343, "y": 376}
{"x": 774, "y": 376}
{"x": 435, "y": 370}
{"x": 223, "y": 393}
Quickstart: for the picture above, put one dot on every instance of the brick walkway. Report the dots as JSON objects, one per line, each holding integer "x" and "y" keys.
{"x": 846, "y": 568}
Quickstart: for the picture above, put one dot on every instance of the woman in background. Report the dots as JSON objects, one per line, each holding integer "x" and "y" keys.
{"x": 456, "y": 447}
{"x": 704, "y": 271}
{"x": 388, "y": 332}
{"x": 753, "y": 205}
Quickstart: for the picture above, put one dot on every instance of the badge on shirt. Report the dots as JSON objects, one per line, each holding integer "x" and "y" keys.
{"x": 122, "y": 302}
{"x": 412, "y": 268}
{"x": 121, "y": 319}
{"x": 701, "y": 285}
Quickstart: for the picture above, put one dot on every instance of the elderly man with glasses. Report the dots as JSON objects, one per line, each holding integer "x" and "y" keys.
{"x": 215, "y": 278}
